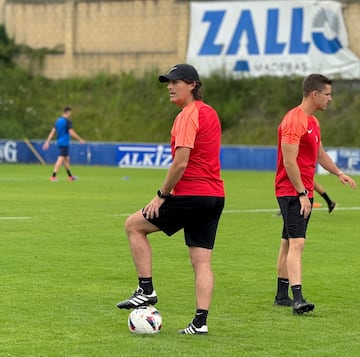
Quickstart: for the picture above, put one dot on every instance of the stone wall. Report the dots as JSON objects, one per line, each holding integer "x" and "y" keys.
{"x": 2, "y": 12}
{"x": 95, "y": 36}
{"x": 114, "y": 36}
{"x": 352, "y": 20}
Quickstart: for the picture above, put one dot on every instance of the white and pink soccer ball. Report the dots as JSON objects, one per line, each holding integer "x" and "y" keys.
{"x": 145, "y": 320}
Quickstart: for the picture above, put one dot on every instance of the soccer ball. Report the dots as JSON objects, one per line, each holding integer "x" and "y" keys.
{"x": 145, "y": 320}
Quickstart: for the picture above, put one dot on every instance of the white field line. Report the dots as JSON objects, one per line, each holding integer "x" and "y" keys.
{"x": 13, "y": 218}
{"x": 266, "y": 210}
{"x": 278, "y": 209}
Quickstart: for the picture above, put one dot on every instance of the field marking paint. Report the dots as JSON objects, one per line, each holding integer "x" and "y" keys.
{"x": 276, "y": 210}
{"x": 259, "y": 210}
{"x": 265, "y": 210}
{"x": 13, "y": 218}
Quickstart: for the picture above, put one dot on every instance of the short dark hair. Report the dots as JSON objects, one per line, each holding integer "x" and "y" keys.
{"x": 67, "y": 109}
{"x": 315, "y": 82}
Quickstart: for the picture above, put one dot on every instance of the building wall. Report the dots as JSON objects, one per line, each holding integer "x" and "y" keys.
{"x": 94, "y": 36}
{"x": 352, "y": 16}
{"x": 114, "y": 36}
{"x": 2, "y": 12}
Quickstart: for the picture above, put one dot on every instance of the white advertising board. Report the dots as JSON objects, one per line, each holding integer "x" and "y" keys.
{"x": 273, "y": 38}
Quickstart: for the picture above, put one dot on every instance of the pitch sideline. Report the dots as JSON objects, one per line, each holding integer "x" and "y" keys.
{"x": 266, "y": 210}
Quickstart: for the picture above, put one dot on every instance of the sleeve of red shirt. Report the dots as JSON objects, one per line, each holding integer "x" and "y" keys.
{"x": 294, "y": 126}
{"x": 187, "y": 127}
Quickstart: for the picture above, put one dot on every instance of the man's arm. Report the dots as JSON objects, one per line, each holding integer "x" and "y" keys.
{"x": 290, "y": 153}
{"x": 174, "y": 174}
{"x": 75, "y": 135}
{"x": 328, "y": 164}
{"x": 176, "y": 169}
{"x": 47, "y": 142}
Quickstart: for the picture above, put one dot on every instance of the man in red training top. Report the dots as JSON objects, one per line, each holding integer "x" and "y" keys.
{"x": 190, "y": 198}
{"x": 299, "y": 150}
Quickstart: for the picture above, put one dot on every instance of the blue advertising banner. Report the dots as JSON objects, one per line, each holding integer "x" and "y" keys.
{"x": 140, "y": 155}
{"x": 144, "y": 155}
{"x": 251, "y": 157}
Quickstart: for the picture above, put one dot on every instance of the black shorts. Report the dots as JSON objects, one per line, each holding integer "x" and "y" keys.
{"x": 64, "y": 151}
{"x": 198, "y": 215}
{"x": 295, "y": 225}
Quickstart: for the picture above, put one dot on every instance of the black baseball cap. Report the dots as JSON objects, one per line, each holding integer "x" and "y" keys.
{"x": 180, "y": 71}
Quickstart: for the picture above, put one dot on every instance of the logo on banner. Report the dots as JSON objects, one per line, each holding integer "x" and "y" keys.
{"x": 262, "y": 38}
{"x": 154, "y": 156}
{"x": 245, "y": 27}
{"x": 8, "y": 152}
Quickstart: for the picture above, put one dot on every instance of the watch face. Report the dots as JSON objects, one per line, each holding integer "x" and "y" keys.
{"x": 161, "y": 195}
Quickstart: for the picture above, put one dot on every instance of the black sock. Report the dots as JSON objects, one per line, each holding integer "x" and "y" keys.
{"x": 147, "y": 285}
{"x": 54, "y": 174}
{"x": 200, "y": 318}
{"x": 296, "y": 289}
{"x": 282, "y": 288}
{"x": 68, "y": 172}
{"x": 326, "y": 198}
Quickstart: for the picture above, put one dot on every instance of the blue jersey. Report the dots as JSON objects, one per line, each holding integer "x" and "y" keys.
{"x": 62, "y": 126}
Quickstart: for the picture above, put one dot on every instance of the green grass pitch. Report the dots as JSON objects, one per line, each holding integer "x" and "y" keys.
{"x": 65, "y": 263}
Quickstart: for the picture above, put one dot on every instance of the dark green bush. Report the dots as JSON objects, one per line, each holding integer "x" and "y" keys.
{"x": 127, "y": 108}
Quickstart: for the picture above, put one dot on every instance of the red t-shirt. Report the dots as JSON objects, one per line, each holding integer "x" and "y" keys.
{"x": 198, "y": 127}
{"x": 301, "y": 129}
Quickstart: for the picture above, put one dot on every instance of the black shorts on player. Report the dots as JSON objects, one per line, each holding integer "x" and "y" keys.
{"x": 295, "y": 225}
{"x": 197, "y": 215}
{"x": 64, "y": 151}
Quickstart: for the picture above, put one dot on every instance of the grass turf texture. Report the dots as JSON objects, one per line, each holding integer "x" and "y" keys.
{"x": 65, "y": 263}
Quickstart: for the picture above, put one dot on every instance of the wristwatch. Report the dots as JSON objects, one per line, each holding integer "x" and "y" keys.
{"x": 303, "y": 193}
{"x": 162, "y": 195}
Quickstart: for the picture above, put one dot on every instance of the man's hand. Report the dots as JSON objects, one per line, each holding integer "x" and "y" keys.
{"x": 347, "y": 180}
{"x": 151, "y": 210}
{"x": 305, "y": 204}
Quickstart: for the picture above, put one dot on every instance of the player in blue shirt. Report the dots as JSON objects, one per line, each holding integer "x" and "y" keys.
{"x": 63, "y": 128}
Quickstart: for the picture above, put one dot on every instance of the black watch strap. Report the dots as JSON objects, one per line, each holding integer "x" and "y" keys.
{"x": 303, "y": 193}
{"x": 162, "y": 195}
